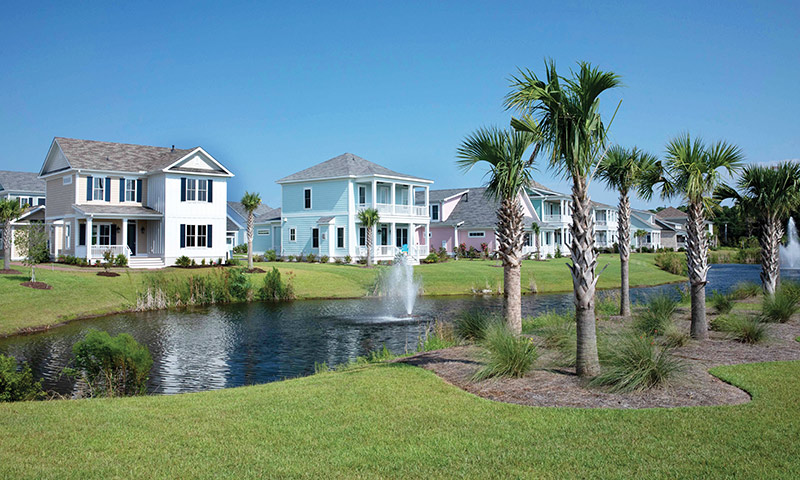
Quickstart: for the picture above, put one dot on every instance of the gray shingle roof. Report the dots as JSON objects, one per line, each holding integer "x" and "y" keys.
{"x": 239, "y": 208}
{"x": 121, "y": 157}
{"x": 671, "y": 212}
{"x": 602, "y": 205}
{"x": 21, "y": 182}
{"x": 437, "y": 195}
{"x": 231, "y": 226}
{"x": 345, "y": 165}
{"x": 115, "y": 210}
{"x": 274, "y": 214}
{"x": 476, "y": 211}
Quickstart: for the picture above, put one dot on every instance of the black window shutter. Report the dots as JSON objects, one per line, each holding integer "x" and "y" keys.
{"x": 113, "y": 234}
{"x": 210, "y": 195}
{"x": 82, "y": 234}
{"x": 183, "y": 235}
{"x": 89, "y": 184}
{"x": 139, "y": 190}
{"x": 208, "y": 236}
{"x": 121, "y": 189}
{"x": 108, "y": 189}
{"x": 183, "y": 189}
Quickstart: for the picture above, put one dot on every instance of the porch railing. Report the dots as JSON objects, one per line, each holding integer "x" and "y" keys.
{"x": 99, "y": 250}
{"x": 554, "y": 218}
{"x": 399, "y": 209}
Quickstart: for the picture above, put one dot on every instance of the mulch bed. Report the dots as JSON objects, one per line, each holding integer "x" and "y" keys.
{"x": 10, "y": 271}
{"x": 107, "y": 274}
{"x": 256, "y": 270}
{"x": 547, "y": 386}
{"x": 36, "y": 285}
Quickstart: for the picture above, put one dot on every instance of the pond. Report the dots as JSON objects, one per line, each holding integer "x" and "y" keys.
{"x": 243, "y": 344}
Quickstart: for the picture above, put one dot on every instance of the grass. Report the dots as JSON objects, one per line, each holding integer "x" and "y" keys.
{"x": 637, "y": 362}
{"x": 508, "y": 355}
{"x": 78, "y": 294}
{"x": 781, "y": 306}
{"x": 397, "y": 421}
{"x": 656, "y": 315}
{"x": 742, "y": 328}
{"x": 473, "y": 325}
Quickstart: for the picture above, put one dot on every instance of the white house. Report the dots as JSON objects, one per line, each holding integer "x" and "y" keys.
{"x": 27, "y": 189}
{"x": 151, "y": 204}
{"x": 320, "y": 208}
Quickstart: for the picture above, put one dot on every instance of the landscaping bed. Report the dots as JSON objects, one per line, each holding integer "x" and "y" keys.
{"x": 36, "y": 285}
{"x": 553, "y": 386}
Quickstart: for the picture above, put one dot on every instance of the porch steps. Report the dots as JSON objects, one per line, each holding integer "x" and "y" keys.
{"x": 145, "y": 262}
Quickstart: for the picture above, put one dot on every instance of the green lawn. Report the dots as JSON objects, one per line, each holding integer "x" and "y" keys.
{"x": 402, "y": 422}
{"x": 82, "y": 293}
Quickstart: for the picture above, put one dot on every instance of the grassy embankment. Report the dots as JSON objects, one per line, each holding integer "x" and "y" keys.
{"x": 82, "y": 293}
{"x": 400, "y": 421}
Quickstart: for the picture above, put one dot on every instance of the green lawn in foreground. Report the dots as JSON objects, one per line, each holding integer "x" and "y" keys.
{"x": 81, "y": 293}
{"x": 402, "y": 422}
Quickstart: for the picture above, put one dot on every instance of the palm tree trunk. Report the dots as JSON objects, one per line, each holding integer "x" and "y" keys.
{"x": 7, "y": 245}
{"x": 771, "y": 234}
{"x": 624, "y": 245}
{"x": 510, "y": 237}
{"x": 250, "y": 226}
{"x": 538, "y": 249}
{"x": 697, "y": 263}
{"x": 584, "y": 262}
{"x": 369, "y": 247}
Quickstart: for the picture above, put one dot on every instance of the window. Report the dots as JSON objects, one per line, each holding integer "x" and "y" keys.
{"x": 202, "y": 235}
{"x": 101, "y": 234}
{"x": 262, "y": 231}
{"x": 40, "y": 201}
{"x": 384, "y": 195}
{"x": 67, "y": 235}
{"x": 98, "y": 190}
{"x": 191, "y": 189}
{"x": 340, "y": 237}
{"x": 476, "y": 234}
{"x": 315, "y": 238}
{"x": 23, "y": 202}
{"x": 362, "y": 194}
{"x": 202, "y": 190}
{"x": 547, "y": 240}
{"x": 307, "y": 198}
{"x": 66, "y": 180}
{"x": 191, "y": 236}
{"x": 292, "y": 235}
{"x": 130, "y": 190}
{"x": 435, "y": 212}
{"x": 362, "y": 236}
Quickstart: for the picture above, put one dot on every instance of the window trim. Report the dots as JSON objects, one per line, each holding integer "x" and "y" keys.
{"x": 292, "y": 234}
{"x": 340, "y": 237}
{"x": 262, "y": 232}
{"x": 202, "y": 188}
{"x": 435, "y": 218}
{"x": 315, "y": 230}
{"x": 127, "y": 190}
{"x": 202, "y": 236}
{"x": 66, "y": 180}
{"x": 307, "y": 202}
{"x": 476, "y": 234}
{"x": 362, "y": 189}
{"x": 67, "y": 235}
{"x": 101, "y": 189}
{"x": 360, "y": 236}
{"x": 96, "y": 234}
{"x": 191, "y": 188}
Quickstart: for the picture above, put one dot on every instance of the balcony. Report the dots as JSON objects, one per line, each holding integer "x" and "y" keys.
{"x": 557, "y": 218}
{"x": 397, "y": 209}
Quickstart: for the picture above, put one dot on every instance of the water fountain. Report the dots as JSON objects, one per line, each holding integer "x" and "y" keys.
{"x": 790, "y": 253}
{"x": 401, "y": 286}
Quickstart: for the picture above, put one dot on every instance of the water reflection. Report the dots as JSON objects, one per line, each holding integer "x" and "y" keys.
{"x": 234, "y": 345}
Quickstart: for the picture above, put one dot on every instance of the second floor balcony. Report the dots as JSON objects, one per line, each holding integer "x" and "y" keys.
{"x": 397, "y": 209}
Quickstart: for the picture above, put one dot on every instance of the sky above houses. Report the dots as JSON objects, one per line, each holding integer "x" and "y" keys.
{"x": 270, "y": 88}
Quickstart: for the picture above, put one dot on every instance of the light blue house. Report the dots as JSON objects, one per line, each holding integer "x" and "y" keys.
{"x": 267, "y": 227}
{"x": 321, "y": 203}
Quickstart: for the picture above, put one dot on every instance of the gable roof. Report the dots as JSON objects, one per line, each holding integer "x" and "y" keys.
{"x": 345, "y": 165}
{"x": 239, "y": 209}
{"x": 272, "y": 215}
{"x": 439, "y": 195}
{"x": 21, "y": 182}
{"x": 476, "y": 211}
{"x": 671, "y": 212}
{"x": 122, "y": 157}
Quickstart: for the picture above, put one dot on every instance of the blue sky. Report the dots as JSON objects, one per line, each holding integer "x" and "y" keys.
{"x": 272, "y": 88}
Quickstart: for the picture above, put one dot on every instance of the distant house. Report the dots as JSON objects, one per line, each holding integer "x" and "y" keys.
{"x": 468, "y": 217}
{"x": 24, "y": 187}
{"x": 237, "y": 222}
{"x": 673, "y": 227}
{"x": 648, "y": 222}
{"x": 151, "y": 204}
{"x": 320, "y": 208}
{"x": 267, "y": 234}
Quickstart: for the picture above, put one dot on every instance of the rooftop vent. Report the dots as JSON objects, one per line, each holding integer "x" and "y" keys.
{"x": 173, "y": 148}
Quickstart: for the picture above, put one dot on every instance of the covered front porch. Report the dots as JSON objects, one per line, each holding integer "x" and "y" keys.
{"x": 138, "y": 235}
{"x": 393, "y": 238}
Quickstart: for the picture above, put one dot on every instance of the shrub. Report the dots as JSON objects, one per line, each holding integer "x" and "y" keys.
{"x": 111, "y": 366}
{"x": 311, "y": 258}
{"x": 748, "y": 255}
{"x": 348, "y": 259}
{"x": 672, "y": 263}
{"x": 290, "y": 258}
{"x": 121, "y": 261}
{"x": 558, "y": 251}
{"x": 741, "y": 328}
{"x": 442, "y": 254}
{"x": 240, "y": 249}
{"x": 683, "y": 292}
{"x": 656, "y": 315}
{"x": 270, "y": 255}
{"x": 722, "y": 303}
{"x": 509, "y": 355}
{"x": 233, "y": 262}
{"x": 17, "y": 384}
{"x": 472, "y": 325}
{"x": 238, "y": 284}
{"x": 557, "y": 331}
{"x": 637, "y": 362}
{"x": 324, "y": 259}
{"x": 437, "y": 336}
{"x": 194, "y": 263}
{"x": 274, "y": 288}
{"x": 781, "y": 306}
{"x": 674, "y": 336}
{"x": 431, "y": 258}
{"x": 183, "y": 261}
{"x": 744, "y": 290}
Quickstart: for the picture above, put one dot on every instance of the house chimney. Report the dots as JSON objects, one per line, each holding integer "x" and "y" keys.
{"x": 173, "y": 148}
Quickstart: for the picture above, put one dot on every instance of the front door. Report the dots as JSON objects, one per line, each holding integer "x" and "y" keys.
{"x": 402, "y": 237}
{"x": 132, "y": 236}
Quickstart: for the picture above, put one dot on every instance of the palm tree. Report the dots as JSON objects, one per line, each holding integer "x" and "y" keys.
{"x": 536, "y": 231}
{"x": 509, "y": 173}
{"x": 250, "y": 202}
{"x": 566, "y": 113}
{"x": 9, "y": 211}
{"x": 623, "y": 170}
{"x": 369, "y": 217}
{"x": 640, "y": 234}
{"x": 692, "y": 171}
{"x": 770, "y": 194}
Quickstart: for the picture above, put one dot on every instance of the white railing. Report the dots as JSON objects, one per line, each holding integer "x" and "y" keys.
{"x": 553, "y": 218}
{"x": 384, "y": 208}
{"x": 398, "y": 209}
{"x": 420, "y": 211}
{"x": 402, "y": 209}
{"x": 99, "y": 250}
{"x": 600, "y": 223}
{"x": 385, "y": 251}
{"x": 421, "y": 251}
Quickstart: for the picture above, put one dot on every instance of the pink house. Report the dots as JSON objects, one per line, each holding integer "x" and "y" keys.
{"x": 466, "y": 216}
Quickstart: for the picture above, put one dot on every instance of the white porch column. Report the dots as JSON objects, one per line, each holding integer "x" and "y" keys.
{"x": 125, "y": 234}
{"x": 455, "y": 239}
{"x": 88, "y": 239}
{"x": 393, "y": 198}
{"x": 427, "y": 199}
{"x": 374, "y": 241}
{"x": 428, "y": 236}
{"x": 374, "y": 193}
{"x": 410, "y": 198}
{"x": 412, "y": 232}
{"x": 331, "y": 239}
{"x": 352, "y": 206}
{"x": 393, "y": 233}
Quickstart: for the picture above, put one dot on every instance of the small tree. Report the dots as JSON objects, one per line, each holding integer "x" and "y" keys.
{"x": 369, "y": 217}
{"x": 640, "y": 234}
{"x": 31, "y": 243}
{"x": 250, "y": 202}
{"x": 9, "y": 211}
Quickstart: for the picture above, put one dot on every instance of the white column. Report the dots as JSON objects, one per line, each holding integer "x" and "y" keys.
{"x": 410, "y": 197}
{"x": 331, "y": 239}
{"x": 351, "y": 238}
{"x": 124, "y": 233}
{"x": 374, "y": 193}
{"x": 394, "y": 196}
{"x": 88, "y": 239}
{"x": 455, "y": 239}
{"x": 427, "y": 202}
{"x": 374, "y": 241}
{"x": 411, "y": 240}
{"x": 428, "y": 236}
{"x": 393, "y": 233}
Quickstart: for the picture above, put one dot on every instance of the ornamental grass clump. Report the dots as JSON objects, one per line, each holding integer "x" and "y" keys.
{"x": 722, "y": 303}
{"x": 437, "y": 336}
{"x": 780, "y": 307}
{"x": 637, "y": 362}
{"x": 745, "y": 290}
{"x": 471, "y": 326}
{"x": 741, "y": 328}
{"x": 607, "y": 303}
{"x": 508, "y": 355}
{"x": 657, "y": 314}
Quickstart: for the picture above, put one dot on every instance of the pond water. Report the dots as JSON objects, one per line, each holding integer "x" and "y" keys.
{"x": 243, "y": 344}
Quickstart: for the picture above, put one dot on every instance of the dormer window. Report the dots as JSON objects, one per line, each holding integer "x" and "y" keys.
{"x": 98, "y": 188}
